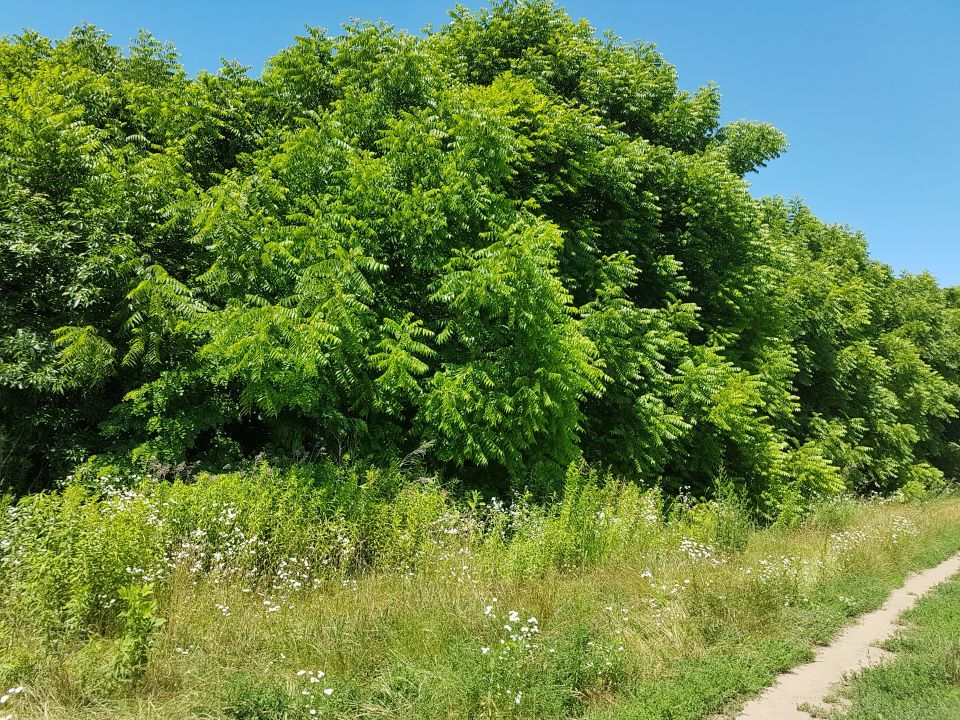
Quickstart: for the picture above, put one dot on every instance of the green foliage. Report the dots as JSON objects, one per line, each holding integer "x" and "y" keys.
{"x": 94, "y": 557}
{"x": 346, "y": 590}
{"x": 252, "y": 698}
{"x": 749, "y": 146}
{"x": 511, "y": 239}
{"x": 85, "y": 359}
{"x": 523, "y": 364}
{"x": 138, "y": 621}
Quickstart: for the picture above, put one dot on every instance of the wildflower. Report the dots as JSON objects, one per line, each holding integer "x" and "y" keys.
{"x": 696, "y": 550}
{"x": 484, "y": 650}
{"x": 328, "y": 692}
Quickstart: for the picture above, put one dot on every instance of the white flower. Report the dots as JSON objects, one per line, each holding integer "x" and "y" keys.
{"x": 328, "y": 692}
{"x": 518, "y": 697}
{"x": 484, "y": 650}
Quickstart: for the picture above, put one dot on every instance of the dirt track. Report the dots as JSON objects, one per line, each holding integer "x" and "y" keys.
{"x": 851, "y": 651}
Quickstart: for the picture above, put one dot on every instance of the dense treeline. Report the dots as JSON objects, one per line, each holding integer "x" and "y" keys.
{"x": 509, "y": 238}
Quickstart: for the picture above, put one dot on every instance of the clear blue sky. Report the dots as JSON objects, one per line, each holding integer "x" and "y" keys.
{"x": 868, "y": 92}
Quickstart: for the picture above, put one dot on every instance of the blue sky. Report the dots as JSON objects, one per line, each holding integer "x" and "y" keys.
{"x": 868, "y": 93}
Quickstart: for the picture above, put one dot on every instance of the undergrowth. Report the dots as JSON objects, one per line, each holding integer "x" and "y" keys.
{"x": 352, "y": 592}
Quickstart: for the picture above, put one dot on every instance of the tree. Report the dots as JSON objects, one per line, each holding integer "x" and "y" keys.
{"x": 511, "y": 239}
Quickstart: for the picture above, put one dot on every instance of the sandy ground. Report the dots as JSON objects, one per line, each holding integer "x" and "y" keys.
{"x": 851, "y": 651}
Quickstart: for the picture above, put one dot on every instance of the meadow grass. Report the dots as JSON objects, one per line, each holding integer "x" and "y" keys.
{"x": 317, "y": 595}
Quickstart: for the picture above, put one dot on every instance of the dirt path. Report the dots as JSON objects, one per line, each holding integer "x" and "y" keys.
{"x": 852, "y": 650}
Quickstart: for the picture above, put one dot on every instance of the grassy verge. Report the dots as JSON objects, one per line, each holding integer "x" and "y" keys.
{"x": 923, "y": 681}
{"x": 157, "y": 602}
{"x": 744, "y": 659}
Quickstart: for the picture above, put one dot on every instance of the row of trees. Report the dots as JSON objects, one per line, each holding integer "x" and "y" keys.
{"x": 510, "y": 238}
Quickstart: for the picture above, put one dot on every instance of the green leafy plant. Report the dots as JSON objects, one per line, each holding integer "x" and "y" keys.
{"x": 139, "y": 621}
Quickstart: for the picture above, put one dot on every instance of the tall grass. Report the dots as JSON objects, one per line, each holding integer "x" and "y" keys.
{"x": 346, "y": 592}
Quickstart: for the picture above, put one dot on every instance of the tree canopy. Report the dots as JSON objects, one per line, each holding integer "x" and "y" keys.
{"x": 511, "y": 238}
